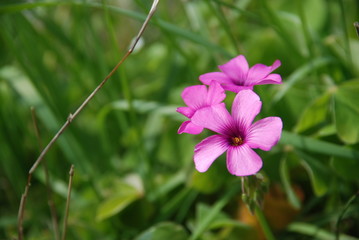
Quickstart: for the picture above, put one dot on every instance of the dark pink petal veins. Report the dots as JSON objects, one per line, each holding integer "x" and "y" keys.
{"x": 236, "y": 69}
{"x": 189, "y": 127}
{"x": 209, "y": 150}
{"x": 245, "y": 108}
{"x": 243, "y": 161}
{"x": 195, "y": 96}
{"x": 265, "y": 133}
{"x": 215, "y": 118}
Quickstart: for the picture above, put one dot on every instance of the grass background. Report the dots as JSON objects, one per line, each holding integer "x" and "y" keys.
{"x": 133, "y": 172}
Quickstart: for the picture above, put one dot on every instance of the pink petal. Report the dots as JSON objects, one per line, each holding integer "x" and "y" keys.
{"x": 195, "y": 96}
{"x": 245, "y": 108}
{"x": 189, "y": 127}
{"x": 215, "y": 118}
{"x": 259, "y": 72}
{"x": 209, "y": 150}
{"x": 273, "y": 78}
{"x": 215, "y": 93}
{"x": 219, "y": 77}
{"x": 276, "y": 65}
{"x": 226, "y": 83}
{"x": 236, "y": 69}
{"x": 235, "y": 88}
{"x": 186, "y": 111}
{"x": 243, "y": 161}
{"x": 265, "y": 133}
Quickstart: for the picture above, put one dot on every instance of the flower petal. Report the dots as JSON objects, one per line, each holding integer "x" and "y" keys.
{"x": 273, "y": 78}
{"x": 226, "y": 83}
{"x": 209, "y": 150}
{"x": 195, "y": 96}
{"x": 186, "y": 111}
{"x": 236, "y": 69}
{"x": 219, "y": 77}
{"x": 215, "y": 118}
{"x": 243, "y": 161}
{"x": 189, "y": 127}
{"x": 259, "y": 72}
{"x": 235, "y": 88}
{"x": 215, "y": 93}
{"x": 245, "y": 108}
{"x": 276, "y": 65}
{"x": 265, "y": 133}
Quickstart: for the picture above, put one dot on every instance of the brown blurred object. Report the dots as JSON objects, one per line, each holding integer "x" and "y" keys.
{"x": 277, "y": 210}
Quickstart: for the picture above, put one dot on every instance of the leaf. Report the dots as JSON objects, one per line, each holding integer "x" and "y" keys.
{"x": 115, "y": 204}
{"x": 284, "y": 173}
{"x": 164, "y": 231}
{"x": 319, "y": 173}
{"x": 346, "y": 111}
{"x": 315, "y": 115}
{"x": 346, "y": 169}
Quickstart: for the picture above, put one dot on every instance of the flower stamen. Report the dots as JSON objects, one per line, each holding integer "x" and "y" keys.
{"x": 236, "y": 141}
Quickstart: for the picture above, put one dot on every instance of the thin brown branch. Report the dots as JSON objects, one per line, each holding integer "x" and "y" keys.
{"x": 64, "y": 127}
{"x": 20, "y": 216}
{"x": 71, "y": 173}
{"x": 88, "y": 99}
{"x": 50, "y": 202}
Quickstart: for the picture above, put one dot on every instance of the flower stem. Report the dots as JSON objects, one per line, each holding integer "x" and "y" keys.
{"x": 264, "y": 224}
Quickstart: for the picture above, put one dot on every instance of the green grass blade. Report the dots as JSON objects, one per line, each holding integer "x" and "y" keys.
{"x": 315, "y": 232}
{"x": 317, "y": 146}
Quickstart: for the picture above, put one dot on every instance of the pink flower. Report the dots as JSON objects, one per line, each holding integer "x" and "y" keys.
{"x": 197, "y": 97}
{"x": 237, "y": 135}
{"x": 237, "y": 76}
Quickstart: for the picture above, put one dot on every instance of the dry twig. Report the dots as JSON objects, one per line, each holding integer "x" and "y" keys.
{"x": 71, "y": 117}
{"x": 20, "y": 216}
{"x": 67, "y": 123}
{"x": 64, "y": 230}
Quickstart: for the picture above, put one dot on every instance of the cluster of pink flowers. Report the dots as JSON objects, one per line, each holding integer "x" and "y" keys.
{"x": 237, "y": 134}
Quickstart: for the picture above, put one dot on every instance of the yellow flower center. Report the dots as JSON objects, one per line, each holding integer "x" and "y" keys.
{"x": 236, "y": 141}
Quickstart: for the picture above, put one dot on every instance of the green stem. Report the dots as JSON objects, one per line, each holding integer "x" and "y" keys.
{"x": 264, "y": 224}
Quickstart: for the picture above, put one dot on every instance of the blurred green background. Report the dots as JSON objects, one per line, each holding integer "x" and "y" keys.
{"x": 134, "y": 175}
